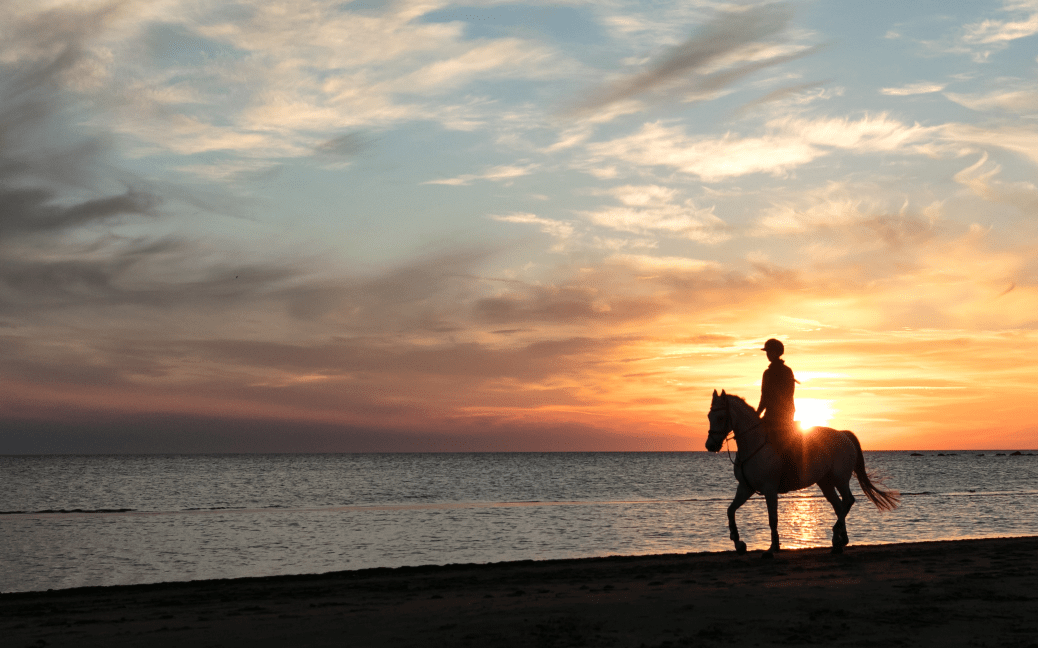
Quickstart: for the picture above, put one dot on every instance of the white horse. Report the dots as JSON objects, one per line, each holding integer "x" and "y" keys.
{"x": 829, "y": 458}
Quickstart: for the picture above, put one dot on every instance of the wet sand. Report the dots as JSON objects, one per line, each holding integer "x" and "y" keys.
{"x": 956, "y": 593}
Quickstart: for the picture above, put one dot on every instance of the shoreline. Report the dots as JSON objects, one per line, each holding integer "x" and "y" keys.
{"x": 949, "y": 592}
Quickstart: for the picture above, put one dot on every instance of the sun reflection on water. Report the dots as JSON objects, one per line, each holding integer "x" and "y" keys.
{"x": 799, "y": 521}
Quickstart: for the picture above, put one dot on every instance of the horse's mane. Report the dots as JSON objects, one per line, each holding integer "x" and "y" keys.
{"x": 739, "y": 401}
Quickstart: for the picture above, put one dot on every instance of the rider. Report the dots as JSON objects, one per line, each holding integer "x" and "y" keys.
{"x": 776, "y": 397}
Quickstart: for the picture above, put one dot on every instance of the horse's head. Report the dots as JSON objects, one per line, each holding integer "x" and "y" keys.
{"x": 720, "y": 417}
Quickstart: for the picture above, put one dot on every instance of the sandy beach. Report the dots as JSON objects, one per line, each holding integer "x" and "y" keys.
{"x": 954, "y": 593}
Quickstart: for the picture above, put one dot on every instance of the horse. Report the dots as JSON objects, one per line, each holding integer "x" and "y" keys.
{"x": 829, "y": 458}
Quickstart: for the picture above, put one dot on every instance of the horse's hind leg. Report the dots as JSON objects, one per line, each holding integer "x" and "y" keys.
{"x": 840, "y": 528}
{"x": 742, "y": 494}
{"x": 848, "y": 502}
{"x": 771, "y": 497}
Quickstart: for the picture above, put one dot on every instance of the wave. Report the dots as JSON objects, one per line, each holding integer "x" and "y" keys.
{"x": 76, "y": 510}
{"x": 360, "y": 508}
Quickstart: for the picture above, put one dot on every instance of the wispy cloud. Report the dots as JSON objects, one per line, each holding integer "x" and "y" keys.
{"x": 796, "y": 93}
{"x": 265, "y": 81}
{"x": 983, "y": 182}
{"x": 870, "y": 133}
{"x": 1000, "y": 31}
{"x": 1021, "y": 139}
{"x": 920, "y": 87}
{"x": 500, "y": 173}
{"x": 709, "y": 158}
{"x": 1023, "y": 100}
{"x": 787, "y": 144}
{"x": 735, "y": 44}
{"x": 645, "y": 263}
{"x": 562, "y": 231}
{"x": 850, "y": 220}
{"x": 652, "y": 209}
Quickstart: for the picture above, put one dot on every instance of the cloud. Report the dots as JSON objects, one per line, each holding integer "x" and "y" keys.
{"x": 921, "y": 87}
{"x": 788, "y": 143}
{"x": 650, "y": 209}
{"x": 714, "y": 82}
{"x": 994, "y": 34}
{"x": 711, "y": 159}
{"x": 1017, "y": 101}
{"x": 259, "y": 80}
{"x": 560, "y": 230}
{"x": 870, "y": 133}
{"x": 573, "y": 301}
{"x": 1022, "y": 140}
{"x": 653, "y": 264}
{"x": 1001, "y": 31}
{"x": 1022, "y": 195}
{"x": 797, "y": 92}
{"x": 67, "y": 241}
{"x": 502, "y": 58}
{"x": 674, "y": 220}
{"x": 503, "y": 172}
{"x": 728, "y": 48}
{"x": 92, "y": 260}
{"x": 839, "y": 223}
{"x": 345, "y": 145}
{"x": 24, "y": 211}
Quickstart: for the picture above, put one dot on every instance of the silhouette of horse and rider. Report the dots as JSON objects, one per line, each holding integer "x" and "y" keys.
{"x": 775, "y": 457}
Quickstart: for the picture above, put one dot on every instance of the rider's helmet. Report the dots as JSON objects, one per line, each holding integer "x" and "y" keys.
{"x": 774, "y": 345}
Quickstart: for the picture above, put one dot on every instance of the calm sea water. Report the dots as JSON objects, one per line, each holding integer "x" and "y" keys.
{"x": 70, "y": 521}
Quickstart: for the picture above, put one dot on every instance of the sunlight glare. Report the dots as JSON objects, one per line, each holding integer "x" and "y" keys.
{"x": 813, "y": 411}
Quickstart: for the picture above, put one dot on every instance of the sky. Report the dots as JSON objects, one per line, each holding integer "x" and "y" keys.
{"x": 311, "y": 226}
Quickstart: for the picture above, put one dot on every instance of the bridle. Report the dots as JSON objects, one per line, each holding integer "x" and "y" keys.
{"x": 731, "y": 435}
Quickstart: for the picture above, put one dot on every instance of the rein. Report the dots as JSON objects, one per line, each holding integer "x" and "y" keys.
{"x": 740, "y": 462}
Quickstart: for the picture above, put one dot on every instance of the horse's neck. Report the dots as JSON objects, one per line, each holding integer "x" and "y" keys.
{"x": 747, "y": 426}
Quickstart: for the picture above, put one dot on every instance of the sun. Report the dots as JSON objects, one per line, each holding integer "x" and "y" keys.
{"x": 813, "y": 411}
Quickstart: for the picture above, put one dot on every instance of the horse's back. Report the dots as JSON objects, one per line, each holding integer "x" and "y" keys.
{"x": 829, "y": 439}
{"x": 831, "y": 450}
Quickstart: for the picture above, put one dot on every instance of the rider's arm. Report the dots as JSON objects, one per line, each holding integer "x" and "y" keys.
{"x": 763, "y": 391}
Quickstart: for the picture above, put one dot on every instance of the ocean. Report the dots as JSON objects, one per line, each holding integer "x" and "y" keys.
{"x": 72, "y": 521}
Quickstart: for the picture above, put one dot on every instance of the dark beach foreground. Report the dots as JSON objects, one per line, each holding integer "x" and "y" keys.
{"x": 954, "y": 593}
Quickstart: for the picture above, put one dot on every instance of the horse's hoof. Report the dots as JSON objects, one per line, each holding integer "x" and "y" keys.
{"x": 767, "y": 555}
{"x": 740, "y": 547}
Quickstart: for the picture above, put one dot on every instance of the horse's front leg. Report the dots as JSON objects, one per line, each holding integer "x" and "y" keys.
{"x": 771, "y": 497}
{"x": 741, "y": 495}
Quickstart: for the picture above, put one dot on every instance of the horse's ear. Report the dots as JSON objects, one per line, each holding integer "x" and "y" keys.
{"x": 722, "y": 393}
{"x": 715, "y": 394}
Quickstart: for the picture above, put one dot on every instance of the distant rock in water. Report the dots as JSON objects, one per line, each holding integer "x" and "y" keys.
{"x": 916, "y": 454}
{"x": 1016, "y": 454}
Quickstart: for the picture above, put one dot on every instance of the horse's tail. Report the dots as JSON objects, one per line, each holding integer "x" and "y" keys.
{"x": 885, "y": 500}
